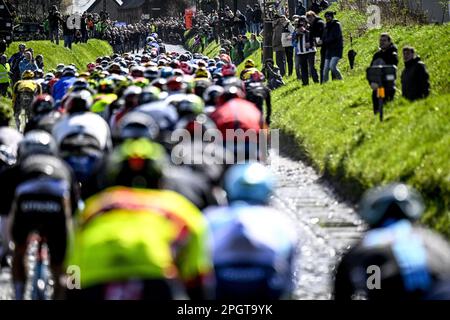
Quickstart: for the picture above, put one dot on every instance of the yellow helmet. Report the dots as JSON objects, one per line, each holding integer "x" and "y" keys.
{"x": 28, "y": 74}
{"x": 249, "y": 63}
{"x": 202, "y": 72}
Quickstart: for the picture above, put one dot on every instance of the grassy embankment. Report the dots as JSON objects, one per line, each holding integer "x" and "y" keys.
{"x": 335, "y": 127}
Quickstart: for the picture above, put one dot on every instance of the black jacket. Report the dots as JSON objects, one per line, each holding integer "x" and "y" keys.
{"x": 415, "y": 80}
{"x": 317, "y": 28}
{"x": 390, "y": 56}
{"x": 332, "y": 39}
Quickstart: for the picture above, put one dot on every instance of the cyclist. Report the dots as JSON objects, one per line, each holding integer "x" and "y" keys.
{"x": 249, "y": 69}
{"x": 42, "y": 197}
{"x": 62, "y": 86}
{"x": 24, "y": 92}
{"x": 253, "y": 245}
{"x": 134, "y": 241}
{"x": 258, "y": 93}
{"x": 412, "y": 262}
{"x": 42, "y": 106}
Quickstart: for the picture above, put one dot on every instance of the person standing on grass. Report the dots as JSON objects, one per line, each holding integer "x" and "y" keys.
{"x": 280, "y": 55}
{"x": 14, "y": 62}
{"x": 386, "y": 55}
{"x": 317, "y": 26}
{"x": 68, "y": 34}
{"x": 333, "y": 42}
{"x": 54, "y": 21}
{"x": 305, "y": 52}
{"x": 415, "y": 77}
{"x": 286, "y": 40}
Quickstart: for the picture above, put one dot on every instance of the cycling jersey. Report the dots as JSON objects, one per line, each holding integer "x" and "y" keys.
{"x": 128, "y": 233}
{"x": 410, "y": 259}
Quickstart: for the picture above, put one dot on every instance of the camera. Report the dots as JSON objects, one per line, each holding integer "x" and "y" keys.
{"x": 383, "y": 75}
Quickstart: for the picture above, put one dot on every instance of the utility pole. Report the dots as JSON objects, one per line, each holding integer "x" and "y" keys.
{"x": 268, "y": 31}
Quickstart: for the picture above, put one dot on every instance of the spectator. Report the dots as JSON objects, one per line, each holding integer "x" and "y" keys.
{"x": 27, "y": 63}
{"x": 386, "y": 55}
{"x": 280, "y": 56}
{"x": 251, "y": 45}
{"x": 317, "y": 26}
{"x": 241, "y": 22}
{"x": 54, "y": 21}
{"x": 415, "y": 77}
{"x": 14, "y": 62}
{"x": 40, "y": 61}
{"x": 315, "y": 6}
{"x": 333, "y": 43}
{"x": 324, "y": 5}
{"x": 4, "y": 75}
{"x": 286, "y": 40}
{"x": 272, "y": 74}
{"x": 249, "y": 18}
{"x": 257, "y": 19}
{"x": 305, "y": 52}
{"x": 84, "y": 29}
{"x": 68, "y": 34}
{"x": 300, "y": 9}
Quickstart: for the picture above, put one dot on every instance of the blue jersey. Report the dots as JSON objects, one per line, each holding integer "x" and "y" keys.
{"x": 251, "y": 234}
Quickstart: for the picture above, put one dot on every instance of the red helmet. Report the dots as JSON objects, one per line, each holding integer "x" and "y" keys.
{"x": 186, "y": 67}
{"x": 91, "y": 66}
{"x": 229, "y": 70}
{"x": 176, "y": 84}
{"x": 42, "y": 104}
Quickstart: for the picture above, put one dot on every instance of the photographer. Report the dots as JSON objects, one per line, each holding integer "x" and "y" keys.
{"x": 54, "y": 21}
{"x": 272, "y": 74}
{"x": 305, "y": 52}
{"x": 386, "y": 55}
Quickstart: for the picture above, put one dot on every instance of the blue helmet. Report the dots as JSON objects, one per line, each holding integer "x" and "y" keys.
{"x": 251, "y": 182}
{"x": 166, "y": 72}
{"x": 394, "y": 201}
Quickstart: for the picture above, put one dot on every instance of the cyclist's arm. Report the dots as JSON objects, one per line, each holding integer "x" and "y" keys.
{"x": 268, "y": 106}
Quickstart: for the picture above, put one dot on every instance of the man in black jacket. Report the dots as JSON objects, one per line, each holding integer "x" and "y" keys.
{"x": 333, "y": 43}
{"x": 415, "y": 77}
{"x": 317, "y": 26}
{"x": 386, "y": 55}
{"x": 55, "y": 20}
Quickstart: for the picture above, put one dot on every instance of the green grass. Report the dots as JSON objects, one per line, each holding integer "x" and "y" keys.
{"x": 335, "y": 126}
{"x": 80, "y": 55}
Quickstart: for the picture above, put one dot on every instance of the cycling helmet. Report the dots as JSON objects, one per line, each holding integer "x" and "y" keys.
{"x": 249, "y": 63}
{"x": 28, "y": 75}
{"x": 135, "y": 125}
{"x": 211, "y": 94}
{"x": 42, "y": 104}
{"x": 202, "y": 73}
{"x": 229, "y": 70}
{"x": 136, "y": 163}
{"x": 69, "y": 71}
{"x": 229, "y": 93}
{"x": 257, "y": 76}
{"x": 151, "y": 73}
{"x": 188, "y": 104}
{"x": 49, "y": 76}
{"x": 131, "y": 96}
{"x": 91, "y": 67}
{"x": 394, "y": 201}
{"x": 176, "y": 85}
{"x": 39, "y": 74}
{"x": 149, "y": 94}
{"x": 36, "y": 142}
{"x": 175, "y": 64}
{"x": 79, "y": 101}
{"x": 80, "y": 84}
{"x": 166, "y": 72}
{"x": 160, "y": 83}
{"x": 105, "y": 86}
{"x": 115, "y": 68}
{"x": 201, "y": 85}
{"x": 251, "y": 182}
{"x": 186, "y": 68}
{"x": 137, "y": 72}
